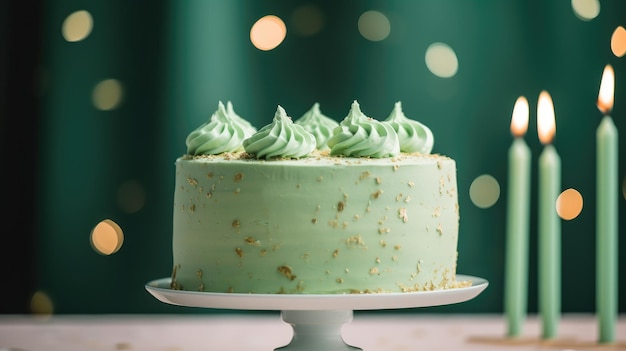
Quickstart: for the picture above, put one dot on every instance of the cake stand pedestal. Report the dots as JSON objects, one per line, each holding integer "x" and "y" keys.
{"x": 316, "y": 319}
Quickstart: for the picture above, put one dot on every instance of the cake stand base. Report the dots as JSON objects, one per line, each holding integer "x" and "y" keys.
{"x": 317, "y": 330}
{"x": 316, "y": 319}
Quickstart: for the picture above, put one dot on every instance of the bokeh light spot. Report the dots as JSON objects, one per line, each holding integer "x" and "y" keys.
{"x": 107, "y": 237}
{"x": 441, "y": 60}
{"x": 107, "y": 95}
{"x": 307, "y": 20}
{"x": 41, "y": 304}
{"x": 77, "y": 26}
{"x": 268, "y": 32}
{"x": 586, "y": 10}
{"x": 131, "y": 196}
{"x": 618, "y": 41}
{"x": 484, "y": 191}
{"x": 569, "y": 204}
{"x": 374, "y": 25}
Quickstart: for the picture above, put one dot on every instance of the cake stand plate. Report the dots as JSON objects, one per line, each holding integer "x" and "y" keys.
{"x": 160, "y": 289}
{"x": 316, "y": 319}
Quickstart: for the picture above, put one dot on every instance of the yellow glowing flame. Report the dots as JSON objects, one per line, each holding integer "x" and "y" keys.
{"x": 605, "y": 96}
{"x": 519, "y": 121}
{"x": 546, "y": 123}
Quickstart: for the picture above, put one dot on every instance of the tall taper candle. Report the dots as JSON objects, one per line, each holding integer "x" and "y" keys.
{"x": 516, "y": 259}
{"x": 606, "y": 212}
{"x": 549, "y": 233}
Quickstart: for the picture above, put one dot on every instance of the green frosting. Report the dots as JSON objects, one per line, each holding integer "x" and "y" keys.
{"x": 248, "y": 128}
{"x": 318, "y": 124}
{"x": 414, "y": 136}
{"x": 221, "y": 133}
{"x": 361, "y": 136}
{"x": 281, "y": 138}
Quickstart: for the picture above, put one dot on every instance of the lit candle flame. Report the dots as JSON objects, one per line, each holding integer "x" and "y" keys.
{"x": 605, "y": 96}
{"x": 519, "y": 121}
{"x": 546, "y": 124}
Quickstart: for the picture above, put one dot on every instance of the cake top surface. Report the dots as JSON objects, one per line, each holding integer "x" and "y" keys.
{"x": 318, "y": 158}
{"x": 356, "y": 136}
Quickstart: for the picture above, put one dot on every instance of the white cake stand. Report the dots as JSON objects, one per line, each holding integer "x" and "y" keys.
{"x": 316, "y": 319}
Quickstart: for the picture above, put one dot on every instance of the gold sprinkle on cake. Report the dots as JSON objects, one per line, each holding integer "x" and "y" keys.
{"x": 287, "y": 272}
{"x": 340, "y": 206}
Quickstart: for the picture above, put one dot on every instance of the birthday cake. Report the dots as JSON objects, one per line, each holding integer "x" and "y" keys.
{"x": 313, "y": 206}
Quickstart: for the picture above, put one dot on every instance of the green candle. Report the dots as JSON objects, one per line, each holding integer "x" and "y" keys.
{"x": 606, "y": 212}
{"x": 516, "y": 259}
{"x": 549, "y": 233}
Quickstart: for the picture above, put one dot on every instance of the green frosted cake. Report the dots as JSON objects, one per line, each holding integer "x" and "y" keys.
{"x": 313, "y": 206}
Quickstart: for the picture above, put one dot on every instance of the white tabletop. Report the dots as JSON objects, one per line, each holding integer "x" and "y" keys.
{"x": 266, "y": 331}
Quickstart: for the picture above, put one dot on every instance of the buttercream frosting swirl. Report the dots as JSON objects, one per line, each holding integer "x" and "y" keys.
{"x": 248, "y": 128}
{"x": 281, "y": 138}
{"x": 361, "y": 136}
{"x": 413, "y": 135}
{"x": 221, "y": 133}
{"x": 318, "y": 124}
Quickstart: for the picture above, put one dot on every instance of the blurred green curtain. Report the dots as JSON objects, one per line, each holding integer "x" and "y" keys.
{"x": 177, "y": 59}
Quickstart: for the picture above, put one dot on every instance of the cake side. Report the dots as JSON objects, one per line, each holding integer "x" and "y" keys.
{"x": 315, "y": 225}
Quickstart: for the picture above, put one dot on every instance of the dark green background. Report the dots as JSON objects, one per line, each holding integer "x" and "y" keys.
{"x": 176, "y": 60}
